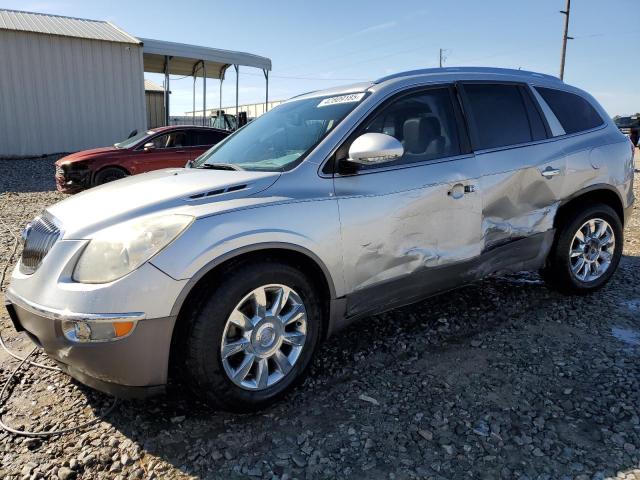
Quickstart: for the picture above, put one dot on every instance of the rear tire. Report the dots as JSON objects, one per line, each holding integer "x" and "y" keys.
{"x": 109, "y": 174}
{"x": 587, "y": 250}
{"x": 229, "y": 315}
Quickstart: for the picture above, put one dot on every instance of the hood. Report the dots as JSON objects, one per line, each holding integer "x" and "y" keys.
{"x": 86, "y": 154}
{"x": 175, "y": 189}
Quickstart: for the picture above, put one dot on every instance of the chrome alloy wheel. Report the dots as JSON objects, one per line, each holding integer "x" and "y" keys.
{"x": 264, "y": 337}
{"x": 592, "y": 250}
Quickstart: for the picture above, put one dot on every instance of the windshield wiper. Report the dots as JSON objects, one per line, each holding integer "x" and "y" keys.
{"x": 221, "y": 166}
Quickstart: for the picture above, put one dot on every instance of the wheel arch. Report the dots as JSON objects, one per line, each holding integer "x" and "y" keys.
{"x": 103, "y": 168}
{"x": 599, "y": 193}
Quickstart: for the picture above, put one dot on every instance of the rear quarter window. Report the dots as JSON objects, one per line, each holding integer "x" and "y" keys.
{"x": 574, "y": 113}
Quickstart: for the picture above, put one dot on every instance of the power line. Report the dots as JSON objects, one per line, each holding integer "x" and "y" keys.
{"x": 369, "y": 47}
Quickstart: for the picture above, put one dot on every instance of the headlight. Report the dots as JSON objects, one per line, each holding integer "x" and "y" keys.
{"x": 118, "y": 250}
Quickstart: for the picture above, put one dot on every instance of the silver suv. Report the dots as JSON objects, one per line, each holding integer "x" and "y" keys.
{"x": 333, "y": 206}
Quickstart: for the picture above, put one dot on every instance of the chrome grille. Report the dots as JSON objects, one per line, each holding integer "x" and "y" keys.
{"x": 39, "y": 236}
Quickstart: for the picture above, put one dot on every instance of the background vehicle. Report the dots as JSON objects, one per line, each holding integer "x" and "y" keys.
{"x": 630, "y": 126}
{"x": 223, "y": 121}
{"x": 163, "y": 147}
{"x": 334, "y": 206}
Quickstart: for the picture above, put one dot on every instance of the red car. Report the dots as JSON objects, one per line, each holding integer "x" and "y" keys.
{"x": 163, "y": 147}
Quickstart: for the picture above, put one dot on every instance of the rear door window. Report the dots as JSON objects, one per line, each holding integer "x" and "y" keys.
{"x": 574, "y": 113}
{"x": 500, "y": 115}
{"x": 204, "y": 138}
{"x": 176, "y": 139}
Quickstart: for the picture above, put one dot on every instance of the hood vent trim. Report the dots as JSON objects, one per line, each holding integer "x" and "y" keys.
{"x": 220, "y": 191}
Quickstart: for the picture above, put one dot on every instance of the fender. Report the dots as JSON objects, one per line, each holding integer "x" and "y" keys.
{"x": 248, "y": 249}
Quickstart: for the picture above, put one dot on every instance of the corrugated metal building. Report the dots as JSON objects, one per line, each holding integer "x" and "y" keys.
{"x": 66, "y": 84}
{"x": 154, "y": 98}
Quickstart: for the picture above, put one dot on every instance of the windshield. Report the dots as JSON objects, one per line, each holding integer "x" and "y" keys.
{"x": 130, "y": 142}
{"x": 277, "y": 140}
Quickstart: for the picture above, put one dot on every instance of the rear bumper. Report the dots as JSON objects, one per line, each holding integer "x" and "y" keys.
{"x": 132, "y": 367}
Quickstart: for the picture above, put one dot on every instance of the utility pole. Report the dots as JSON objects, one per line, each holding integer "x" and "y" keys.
{"x": 565, "y": 37}
{"x": 443, "y": 57}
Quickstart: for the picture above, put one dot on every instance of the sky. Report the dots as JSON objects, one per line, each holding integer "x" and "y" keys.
{"x": 319, "y": 44}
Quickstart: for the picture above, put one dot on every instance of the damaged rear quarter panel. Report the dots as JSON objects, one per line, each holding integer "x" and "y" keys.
{"x": 610, "y": 163}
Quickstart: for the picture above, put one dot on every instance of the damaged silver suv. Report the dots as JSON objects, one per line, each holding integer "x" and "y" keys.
{"x": 333, "y": 206}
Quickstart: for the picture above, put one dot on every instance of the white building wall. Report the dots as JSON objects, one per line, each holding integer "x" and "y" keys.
{"x": 63, "y": 94}
{"x": 254, "y": 110}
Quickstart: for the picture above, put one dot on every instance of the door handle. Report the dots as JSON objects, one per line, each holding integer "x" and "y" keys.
{"x": 458, "y": 190}
{"x": 550, "y": 172}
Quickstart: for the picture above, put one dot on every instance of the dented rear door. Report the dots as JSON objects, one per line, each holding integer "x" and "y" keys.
{"x": 522, "y": 188}
{"x": 523, "y": 172}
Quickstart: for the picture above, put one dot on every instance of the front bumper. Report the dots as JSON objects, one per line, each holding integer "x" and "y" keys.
{"x": 131, "y": 367}
{"x": 70, "y": 179}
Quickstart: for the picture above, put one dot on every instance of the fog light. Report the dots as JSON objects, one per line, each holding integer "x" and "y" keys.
{"x": 96, "y": 331}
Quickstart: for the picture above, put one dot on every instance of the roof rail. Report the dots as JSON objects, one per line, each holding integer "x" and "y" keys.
{"x": 435, "y": 71}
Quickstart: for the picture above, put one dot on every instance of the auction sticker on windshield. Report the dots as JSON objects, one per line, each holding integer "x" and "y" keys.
{"x": 351, "y": 98}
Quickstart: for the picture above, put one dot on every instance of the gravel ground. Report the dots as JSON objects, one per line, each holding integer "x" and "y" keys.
{"x": 502, "y": 379}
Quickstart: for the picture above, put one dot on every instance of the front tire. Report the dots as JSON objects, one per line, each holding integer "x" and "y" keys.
{"x": 109, "y": 174}
{"x": 587, "y": 250}
{"x": 252, "y": 338}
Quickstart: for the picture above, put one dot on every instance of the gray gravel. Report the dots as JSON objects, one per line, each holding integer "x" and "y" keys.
{"x": 503, "y": 379}
{"x": 28, "y": 174}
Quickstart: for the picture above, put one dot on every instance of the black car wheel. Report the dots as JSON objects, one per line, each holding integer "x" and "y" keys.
{"x": 252, "y": 338}
{"x": 109, "y": 175}
{"x": 587, "y": 250}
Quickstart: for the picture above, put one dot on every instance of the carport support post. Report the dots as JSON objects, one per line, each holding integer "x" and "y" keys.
{"x": 193, "y": 112}
{"x": 237, "y": 67}
{"x": 166, "y": 89}
{"x": 266, "y": 97}
{"x": 204, "y": 93}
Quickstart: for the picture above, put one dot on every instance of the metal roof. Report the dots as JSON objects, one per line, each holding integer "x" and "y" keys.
{"x": 64, "y": 26}
{"x": 150, "y": 86}
{"x": 185, "y": 59}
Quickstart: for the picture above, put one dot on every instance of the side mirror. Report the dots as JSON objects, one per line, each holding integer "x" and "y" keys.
{"x": 149, "y": 146}
{"x": 374, "y": 149}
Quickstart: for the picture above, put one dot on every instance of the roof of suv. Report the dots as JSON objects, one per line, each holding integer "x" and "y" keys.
{"x": 435, "y": 74}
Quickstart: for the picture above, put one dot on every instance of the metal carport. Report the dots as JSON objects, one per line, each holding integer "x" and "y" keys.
{"x": 173, "y": 58}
